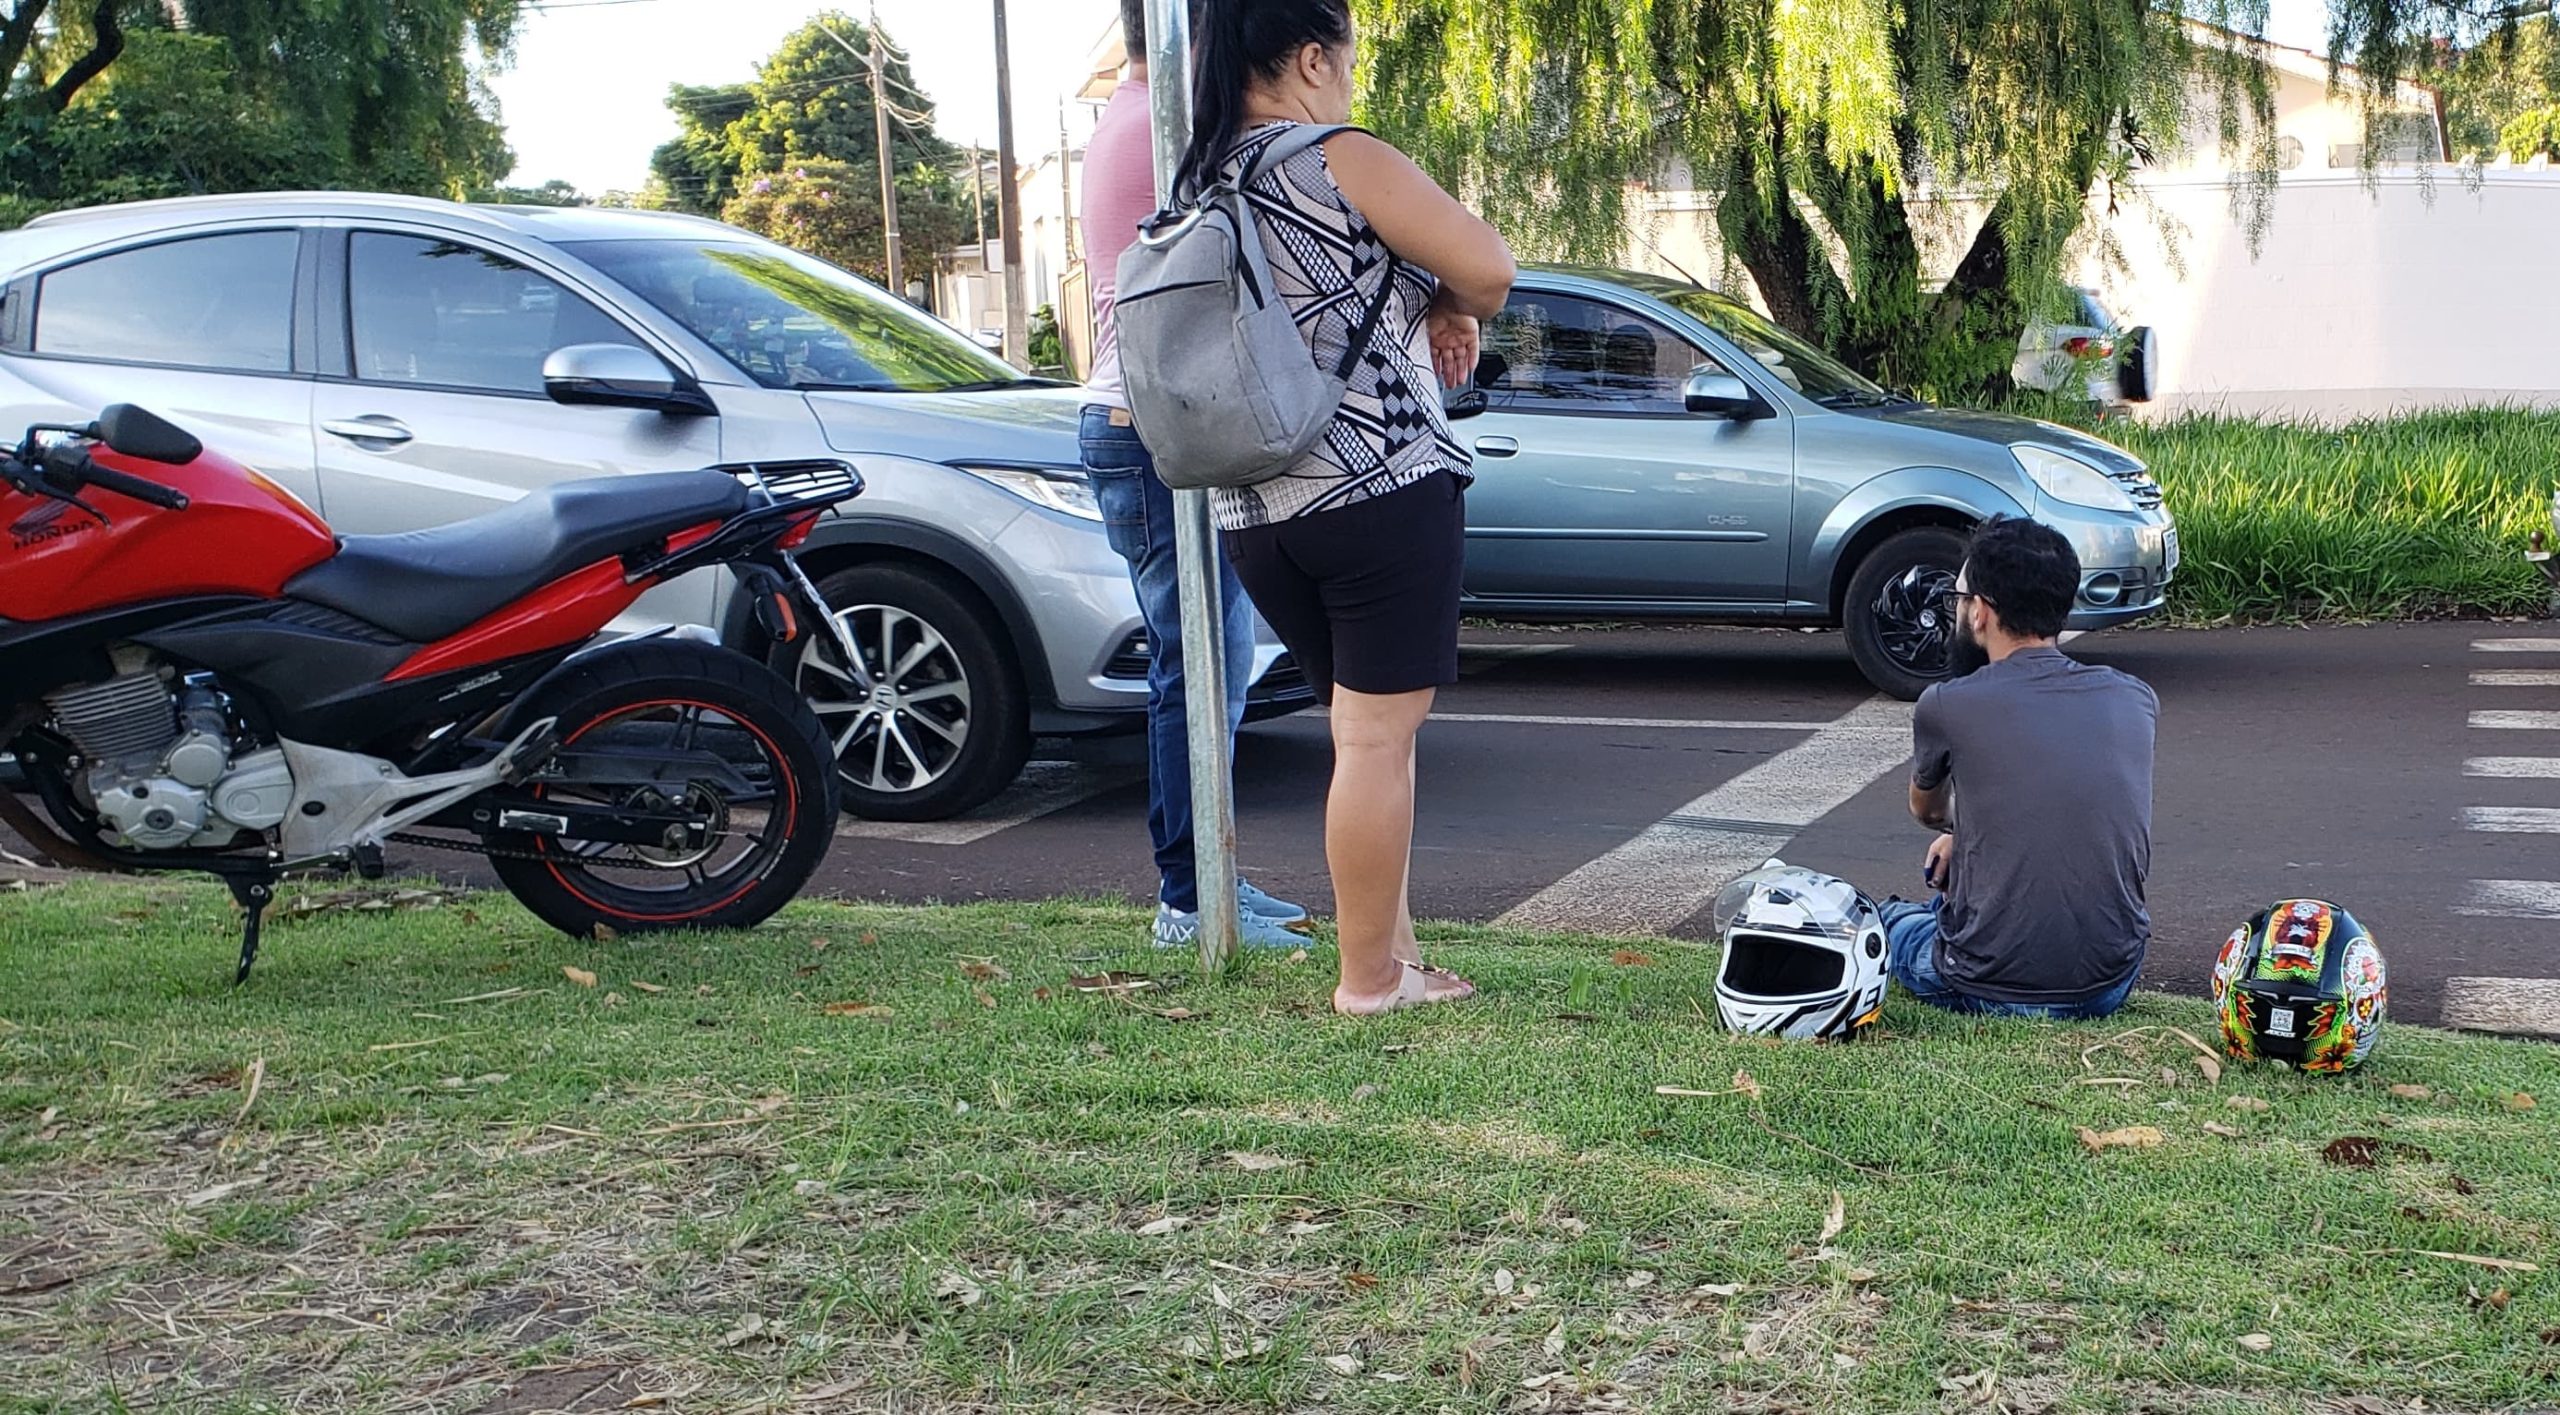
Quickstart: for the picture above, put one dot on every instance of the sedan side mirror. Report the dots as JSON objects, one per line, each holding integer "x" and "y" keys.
{"x": 1713, "y": 393}
{"x": 1463, "y": 403}
{"x": 620, "y": 376}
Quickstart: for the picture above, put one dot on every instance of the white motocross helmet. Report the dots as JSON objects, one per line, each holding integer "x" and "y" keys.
{"x": 1804, "y": 955}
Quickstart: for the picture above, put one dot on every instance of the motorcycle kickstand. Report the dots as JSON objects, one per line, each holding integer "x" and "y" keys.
{"x": 253, "y": 893}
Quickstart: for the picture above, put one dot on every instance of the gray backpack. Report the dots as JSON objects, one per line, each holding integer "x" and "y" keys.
{"x": 1221, "y": 385}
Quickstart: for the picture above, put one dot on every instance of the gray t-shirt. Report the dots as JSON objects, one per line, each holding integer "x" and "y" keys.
{"x": 2051, "y": 760}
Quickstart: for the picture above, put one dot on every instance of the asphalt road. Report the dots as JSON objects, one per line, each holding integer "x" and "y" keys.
{"x": 1610, "y": 780}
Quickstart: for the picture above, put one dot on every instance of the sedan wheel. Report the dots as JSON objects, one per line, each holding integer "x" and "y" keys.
{"x": 1899, "y": 621}
{"x": 929, "y": 720}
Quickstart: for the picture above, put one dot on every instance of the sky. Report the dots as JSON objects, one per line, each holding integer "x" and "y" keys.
{"x": 585, "y": 99}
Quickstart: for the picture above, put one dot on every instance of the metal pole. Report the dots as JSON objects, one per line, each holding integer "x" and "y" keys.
{"x": 897, "y": 267}
{"x": 1213, "y": 815}
{"x": 1017, "y": 335}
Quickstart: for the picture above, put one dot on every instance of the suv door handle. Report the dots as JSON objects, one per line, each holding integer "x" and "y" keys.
{"x": 1498, "y": 446}
{"x": 372, "y": 427}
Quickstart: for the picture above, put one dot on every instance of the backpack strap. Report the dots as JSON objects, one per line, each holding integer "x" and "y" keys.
{"x": 1280, "y": 149}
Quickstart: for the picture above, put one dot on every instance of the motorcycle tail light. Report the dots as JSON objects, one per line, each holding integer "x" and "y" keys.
{"x": 798, "y": 535}
{"x": 2087, "y": 348}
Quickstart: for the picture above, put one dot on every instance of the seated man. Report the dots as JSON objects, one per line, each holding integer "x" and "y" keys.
{"x": 2038, "y": 768}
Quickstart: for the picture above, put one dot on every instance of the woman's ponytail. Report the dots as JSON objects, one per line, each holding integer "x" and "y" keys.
{"x": 1234, "y": 43}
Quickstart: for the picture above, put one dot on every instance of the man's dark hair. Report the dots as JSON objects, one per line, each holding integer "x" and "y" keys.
{"x": 1133, "y": 28}
{"x": 2027, "y": 572}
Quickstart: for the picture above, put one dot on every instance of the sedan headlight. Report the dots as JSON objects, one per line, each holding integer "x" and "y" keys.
{"x": 2066, "y": 478}
{"x": 1058, "y": 491}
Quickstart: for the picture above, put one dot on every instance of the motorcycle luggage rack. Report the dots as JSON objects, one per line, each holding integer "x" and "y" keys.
{"x": 798, "y": 480}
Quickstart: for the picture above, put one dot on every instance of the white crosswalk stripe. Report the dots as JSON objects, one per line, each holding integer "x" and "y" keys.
{"x": 2518, "y": 1006}
{"x": 2535, "y": 768}
{"x": 2511, "y": 899}
{"x": 2517, "y": 721}
{"x": 2516, "y": 678}
{"x": 2513, "y": 820}
{"x": 2515, "y": 646}
{"x": 1677, "y": 865}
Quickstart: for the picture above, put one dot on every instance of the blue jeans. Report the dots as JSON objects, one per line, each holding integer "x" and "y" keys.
{"x": 1911, "y": 935}
{"x": 1137, "y": 512}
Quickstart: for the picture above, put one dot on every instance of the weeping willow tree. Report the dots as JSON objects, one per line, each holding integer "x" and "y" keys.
{"x": 1825, "y": 133}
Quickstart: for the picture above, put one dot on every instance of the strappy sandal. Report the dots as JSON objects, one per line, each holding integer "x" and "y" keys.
{"x": 1413, "y": 989}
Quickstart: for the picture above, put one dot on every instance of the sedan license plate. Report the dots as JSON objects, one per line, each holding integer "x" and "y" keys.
{"x": 2169, "y": 552}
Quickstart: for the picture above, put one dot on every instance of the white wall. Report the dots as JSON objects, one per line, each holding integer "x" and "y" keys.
{"x": 2426, "y": 289}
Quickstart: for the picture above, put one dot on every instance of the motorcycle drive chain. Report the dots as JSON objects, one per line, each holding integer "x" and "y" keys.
{"x": 467, "y": 847}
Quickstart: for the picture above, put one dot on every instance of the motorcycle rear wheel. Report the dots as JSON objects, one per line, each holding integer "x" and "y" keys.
{"x": 760, "y": 846}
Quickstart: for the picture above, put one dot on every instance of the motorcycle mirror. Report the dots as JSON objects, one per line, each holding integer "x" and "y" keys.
{"x": 138, "y": 432}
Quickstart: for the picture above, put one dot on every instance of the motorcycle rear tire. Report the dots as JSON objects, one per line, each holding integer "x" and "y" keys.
{"x": 627, "y": 678}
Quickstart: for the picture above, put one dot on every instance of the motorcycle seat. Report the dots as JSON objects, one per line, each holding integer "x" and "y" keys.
{"x": 431, "y": 584}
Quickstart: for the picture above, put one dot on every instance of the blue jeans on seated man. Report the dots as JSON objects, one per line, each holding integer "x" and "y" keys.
{"x": 1137, "y": 512}
{"x": 1911, "y": 936}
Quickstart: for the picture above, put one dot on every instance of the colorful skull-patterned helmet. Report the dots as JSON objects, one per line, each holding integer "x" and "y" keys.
{"x": 2301, "y": 983}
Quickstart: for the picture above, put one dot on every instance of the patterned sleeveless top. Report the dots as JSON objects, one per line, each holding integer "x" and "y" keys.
{"x": 1327, "y": 261}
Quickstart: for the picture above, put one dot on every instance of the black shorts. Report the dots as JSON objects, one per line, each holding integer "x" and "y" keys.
{"x": 1365, "y": 596}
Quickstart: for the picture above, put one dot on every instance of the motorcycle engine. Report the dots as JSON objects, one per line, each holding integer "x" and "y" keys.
{"x": 159, "y": 765}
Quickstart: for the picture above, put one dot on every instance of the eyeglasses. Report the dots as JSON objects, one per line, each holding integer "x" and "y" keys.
{"x": 1969, "y": 594}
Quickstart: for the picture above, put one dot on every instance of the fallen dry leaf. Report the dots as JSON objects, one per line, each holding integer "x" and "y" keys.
{"x": 1345, "y": 1364}
{"x": 744, "y": 1331}
{"x": 2217, "y": 1128}
{"x": 809, "y": 1188}
{"x": 1717, "y": 1289}
{"x": 219, "y": 1192}
{"x": 1629, "y": 958}
{"x": 2354, "y": 1151}
{"x": 639, "y": 986}
{"x": 1504, "y": 1280}
{"x": 984, "y": 970}
{"x": 1110, "y": 982}
{"x": 2405, "y": 1091}
{"x": 2131, "y": 1137}
{"x": 2211, "y": 1067}
{"x": 1163, "y": 1226}
{"x": 854, "y": 1009}
{"x": 604, "y": 933}
{"x": 2257, "y": 1341}
{"x": 985, "y": 998}
{"x": 2251, "y": 1104}
{"x": 2520, "y": 1101}
{"x": 1743, "y": 1082}
{"x": 580, "y": 976}
{"x": 1252, "y": 1163}
{"x": 1300, "y": 956}
{"x": 1834, "y": 1219}
{"x": 957, "y": 1286}
{"x": 1640, "y": 1278}
{"x": 2504, "y": 1265}
{"x": 1860, "y": 1276}
{"x": 1363, "y": 1091}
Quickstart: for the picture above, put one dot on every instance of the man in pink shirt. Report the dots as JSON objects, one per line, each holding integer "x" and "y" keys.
{"x": 1137, "y": 510}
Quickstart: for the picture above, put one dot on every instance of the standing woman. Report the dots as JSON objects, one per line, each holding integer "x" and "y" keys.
{"x": 1353, "y": 554}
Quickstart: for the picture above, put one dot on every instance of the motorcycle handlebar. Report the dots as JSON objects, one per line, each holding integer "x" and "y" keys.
{"x": 150, "y": 492}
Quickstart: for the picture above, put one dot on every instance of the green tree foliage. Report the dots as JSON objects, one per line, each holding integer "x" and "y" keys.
{"x": 831, "y": 210}
{"x": 127, "y": 99}
{"x": 794, "y": 154}
{"x": 2498, "y": 78}
{"x": 2532, "y": 133}
{"x": 1814, "y": 127}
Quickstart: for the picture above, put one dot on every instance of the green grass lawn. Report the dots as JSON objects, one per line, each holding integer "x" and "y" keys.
{"x": 873, "y": 1158}
{"x": 2423, "y": 515}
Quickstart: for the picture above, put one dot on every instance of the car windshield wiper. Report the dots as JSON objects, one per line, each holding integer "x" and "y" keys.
{"x": 983, "y": 385}
{"x": 1864, "y": 398}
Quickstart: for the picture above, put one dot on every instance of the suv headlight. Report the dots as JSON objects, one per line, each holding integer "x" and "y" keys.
{"x": 1058, "y": 491}
{"x": 2066, "y": 478}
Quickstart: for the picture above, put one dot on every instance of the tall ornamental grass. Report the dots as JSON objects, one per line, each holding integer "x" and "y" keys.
{"x": 2416, "y": 516}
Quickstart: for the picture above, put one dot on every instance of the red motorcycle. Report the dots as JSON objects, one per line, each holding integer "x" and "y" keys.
{"x": 208, "y": 679}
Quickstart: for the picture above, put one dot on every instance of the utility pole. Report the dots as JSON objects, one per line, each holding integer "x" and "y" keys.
{"x": 1195, "y": 542}
{"x": 1017, "y": 327}
{"x": 897, "y": 266}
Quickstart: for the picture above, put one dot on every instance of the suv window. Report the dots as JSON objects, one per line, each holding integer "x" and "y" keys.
{"x": 1561, "y": 353}
{"x": 430, "y": 311}
{"x": 214, "y": 302}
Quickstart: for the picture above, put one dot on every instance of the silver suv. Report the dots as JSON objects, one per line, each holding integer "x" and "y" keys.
{"x": 391, "y": 360}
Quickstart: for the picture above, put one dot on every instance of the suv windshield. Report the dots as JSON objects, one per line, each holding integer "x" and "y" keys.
{"x": 1804, "y": 368}
{"x": 788, "y": 321}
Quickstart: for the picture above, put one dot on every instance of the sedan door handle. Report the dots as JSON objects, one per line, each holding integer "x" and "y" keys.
{"x": 1498, "y": 446}
{"x": 372, "y": 427}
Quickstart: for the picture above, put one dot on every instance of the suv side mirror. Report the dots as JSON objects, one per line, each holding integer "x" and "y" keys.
{"x": 620, "y": 376}
{"x": 1711, "y": 392}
